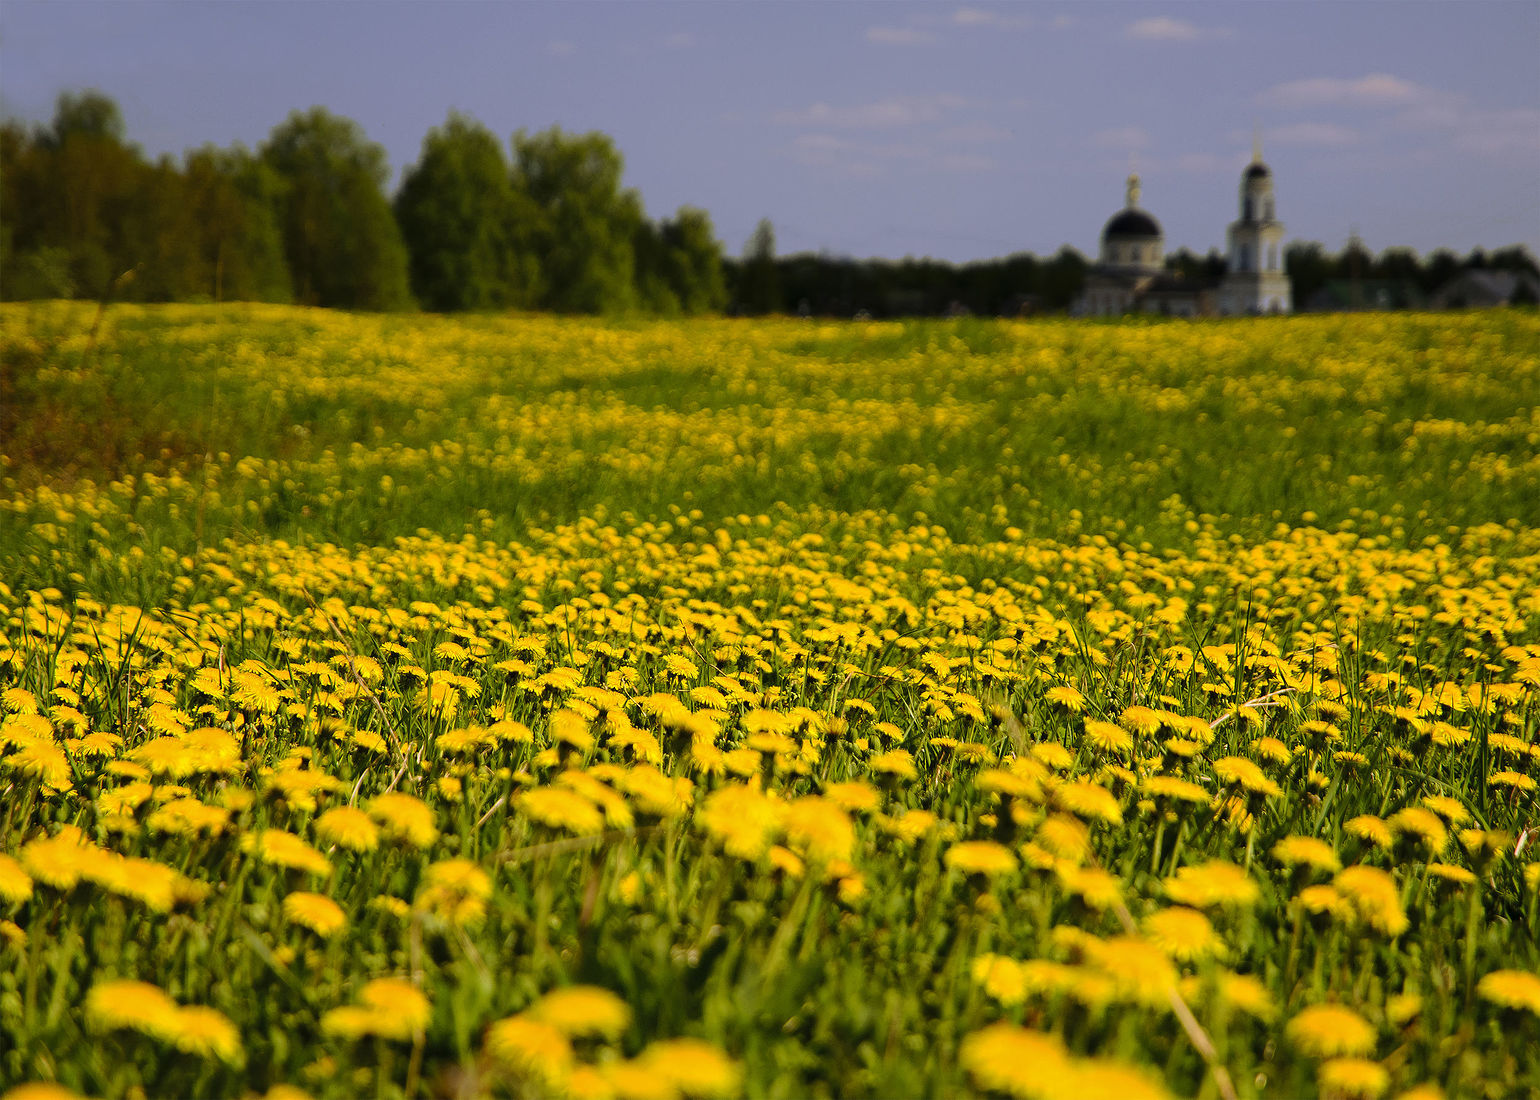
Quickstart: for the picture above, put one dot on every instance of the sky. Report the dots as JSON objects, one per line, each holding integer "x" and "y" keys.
{"x": 955, "y": 131}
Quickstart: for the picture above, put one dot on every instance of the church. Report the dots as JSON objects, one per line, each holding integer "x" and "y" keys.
{"x": 1129, "y": 275}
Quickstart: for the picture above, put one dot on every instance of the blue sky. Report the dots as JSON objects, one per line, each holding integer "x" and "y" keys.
{"x": 959, "y": 131}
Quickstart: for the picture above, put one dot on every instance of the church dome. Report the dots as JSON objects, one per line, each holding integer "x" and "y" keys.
{"x": 1256, "y": 170}
{"x": 1131, "y": 223}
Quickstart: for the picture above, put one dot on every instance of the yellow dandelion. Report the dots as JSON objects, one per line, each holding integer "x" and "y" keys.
{"x": 561, "y": 809}
{"x": 206, "y": 1033}
{"x": 1331, "y": 1030}
{"x": 1108, "y": 738}
{"x": 405, "y": 819}
{"x": 531, "y": 1047}
{"x": 1370, "y": 828}
{"x": 743, "y": 819}
{"x": 1088, "y": 800}
{"x": 317, "y": 912}
{"x": 402, "y": 1008}
{"x": 348, "y": 827}
{"x": 637, "y": 1080}
{"x": 819, "y": 830}
{"x": 1374, "y": 898}
{"x": 980, "y": 857}
{"x": 15, "y": 883}
{"x": 1095, "y": 1077}
{"x": 1097, "y": 888}
{"x": 1353, "y": 1079}
{"x": 1307, "y": 851}
{"x": 283, "y": 849}
{"x": 1516, "y": 989}
{"x": 1184, "y": 934}
{"x": 699, "y": 1069}
{"x": 138, "y": 1006}
{"x": 583, "y": 1010}
{"x": 1013, "y": 1060}
{"x": 1241, "y": 772}
{"x": 455, "y": 891}
{"x": 1002, "y": 979}
{"x": 895, "y": 764}
{"x": 1216, "y": 883}
{"x": 1422, "y": 826}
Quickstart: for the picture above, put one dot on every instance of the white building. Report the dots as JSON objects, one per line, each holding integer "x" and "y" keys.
{"x": 1255, "y": 281}
{"x": 1129, "y": 275}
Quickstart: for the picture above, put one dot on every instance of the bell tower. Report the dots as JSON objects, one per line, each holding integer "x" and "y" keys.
{"x": 1256, "y": 282}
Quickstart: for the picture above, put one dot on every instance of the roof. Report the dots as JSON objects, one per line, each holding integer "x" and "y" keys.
{"x": 1132, "y": 223}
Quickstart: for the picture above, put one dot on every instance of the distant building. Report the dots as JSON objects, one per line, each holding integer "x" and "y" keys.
{"x": 1130, "y": 276}
{"x": 1477, "y": 289}
{"x": 1255, "y": 281}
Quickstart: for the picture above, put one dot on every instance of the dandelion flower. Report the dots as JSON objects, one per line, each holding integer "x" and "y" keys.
{"x": 138, "y": 1006}
{"x": 531, "y": 1047}
{"x": 399, "y": 1001}
{"x": 1374, "y": 897}
{"x": 699, "y": 1069}
{"x": 819, "y": 830}
{"x": 405, "y": 819}
{"x": 980, "y": 857}
{"x": 1108, "y": 738}
{"x": 1353, "y": 1079}
{"x": 15, "y": 883}
{"x": 1517, "y": 989}
{"x": 317, "y": 912}
{"x": 637, "y": 1080}
{"x": 1010, "y": 1059}
{"x": 205, "y": 1032}
{"x": 348, "y": 827}
{"x": 1184, "y": 934}
{"x": 743, "y": 819}
{"x": 1330, "y": 1030}
{"x": 583, "y": 1010}
{"x": 1088, "y": 800}
{"x": 283, "y": 849}
{"x": 1216, "y": 883}
{"x": 1307, "y": 851}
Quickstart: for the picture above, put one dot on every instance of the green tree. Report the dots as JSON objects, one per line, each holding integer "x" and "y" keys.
{"x": 679, "y": 265}
{"x": 340, "y": 238}
{"x": 692, "y": 261}
{"x": 581, "y": 223}
{"x": 461, "y": 219}
{"x": 234, "y": 198}
{"x": 759, "y": 287}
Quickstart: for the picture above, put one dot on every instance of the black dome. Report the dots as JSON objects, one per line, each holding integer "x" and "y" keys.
{"x": 1132, "y": 223}
{"x": 1257, "y": 170}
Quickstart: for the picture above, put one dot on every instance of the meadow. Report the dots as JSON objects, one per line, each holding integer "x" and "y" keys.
{"x": 405, "y": 706}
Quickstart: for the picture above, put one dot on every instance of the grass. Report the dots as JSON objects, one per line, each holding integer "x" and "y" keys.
{"x": 887, "y": 706}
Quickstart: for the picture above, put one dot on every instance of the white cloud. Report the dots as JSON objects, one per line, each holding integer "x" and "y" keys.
{"x": 1313, "y": 133}
{"x": 1121, "y": 137}
{"x": 1374, "y": 90}
{"x": 899, "y": 36}
{"x": 990, "y": 17}
{"x": 883, "y": 114}
{"x": 1163, "y": 28}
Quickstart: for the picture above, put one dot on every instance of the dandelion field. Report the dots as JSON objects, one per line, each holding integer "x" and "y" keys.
{"x": 413, "y": 706}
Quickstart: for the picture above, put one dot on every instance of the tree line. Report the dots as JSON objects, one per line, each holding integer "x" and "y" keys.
{"x": 545, "y": 224}
{"x": 305, "y": 218}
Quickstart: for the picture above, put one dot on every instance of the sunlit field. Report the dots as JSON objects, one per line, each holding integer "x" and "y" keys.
{"x": 424, "y": 707}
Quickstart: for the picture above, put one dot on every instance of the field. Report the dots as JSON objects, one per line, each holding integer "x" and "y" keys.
{"x": 411, "y": 706}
